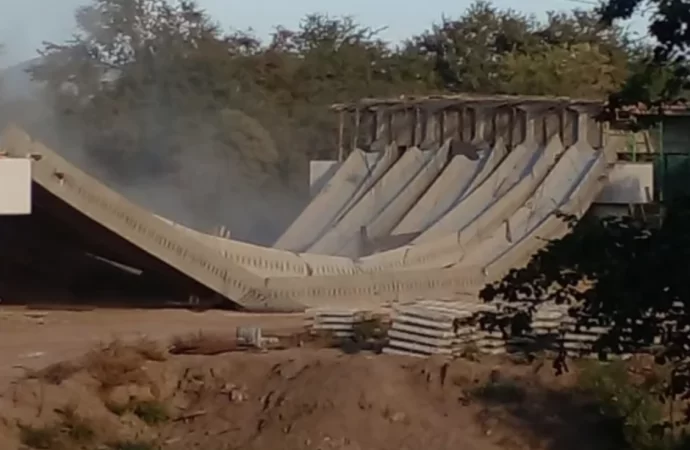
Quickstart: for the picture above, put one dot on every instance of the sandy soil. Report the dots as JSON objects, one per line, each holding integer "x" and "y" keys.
{"x": 131, "y": 397}
{"x": 32, "y": 338}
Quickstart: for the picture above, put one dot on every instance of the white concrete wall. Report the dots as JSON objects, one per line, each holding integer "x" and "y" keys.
{"x": 629, "y": 184}
{"x": 15, "y": 186}
{"x": 320, "y": 171}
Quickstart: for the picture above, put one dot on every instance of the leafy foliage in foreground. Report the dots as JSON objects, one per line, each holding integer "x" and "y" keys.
{"x": 620, "y": 274}
{"x": 663, "y": 74}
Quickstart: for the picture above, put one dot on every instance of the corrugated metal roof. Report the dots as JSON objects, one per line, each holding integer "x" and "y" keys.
{"x": 440, "y": 101}
{"x": 676, "y": 108}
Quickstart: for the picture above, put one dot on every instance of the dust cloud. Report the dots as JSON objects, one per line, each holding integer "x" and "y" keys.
{"x": 204, "y": 184}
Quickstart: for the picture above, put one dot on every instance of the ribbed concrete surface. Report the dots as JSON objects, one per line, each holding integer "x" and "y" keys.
{"x": 460, "y": 177}
{"x": 353, "y": 179}
{"x": 386, "y": 202}
{"x": 476, "y": 217}
{"x": 445, "y": 243}
{"x": 526, "y": 159}
{"x": 554, "y": 191}
{"x": 374, "y": 201}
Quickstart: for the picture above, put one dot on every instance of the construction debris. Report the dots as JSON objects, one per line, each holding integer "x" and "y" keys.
{"x": 340, "y": 323}
{"x": 429, "y": 327}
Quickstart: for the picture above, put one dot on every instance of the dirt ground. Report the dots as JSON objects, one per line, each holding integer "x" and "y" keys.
{"x": 33, "y": 338}
{"x": 135, "y": 397}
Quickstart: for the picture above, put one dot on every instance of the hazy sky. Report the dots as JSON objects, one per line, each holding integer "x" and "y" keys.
{"x": 24, "y": 24}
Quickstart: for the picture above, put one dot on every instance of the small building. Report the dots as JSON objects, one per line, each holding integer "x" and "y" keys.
{"x": 664, "y": 140}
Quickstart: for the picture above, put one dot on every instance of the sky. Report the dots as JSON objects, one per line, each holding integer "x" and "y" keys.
{"x": 25, "y": 24}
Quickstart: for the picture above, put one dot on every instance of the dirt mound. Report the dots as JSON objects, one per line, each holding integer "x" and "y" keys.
{"x": 123, "y": 397}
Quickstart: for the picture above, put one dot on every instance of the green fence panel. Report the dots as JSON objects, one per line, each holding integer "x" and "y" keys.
{"x": 674, "y": 175}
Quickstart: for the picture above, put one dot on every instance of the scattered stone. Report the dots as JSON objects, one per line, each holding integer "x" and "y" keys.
{"x": 237, "y": 396}
{"x": 398, "y": 417}
{"x": 35, "y": 315}
{"x": 190, "y": 415}
{"x": 250, "y": 336}
{"x": 228, "y": 388}
{"x": 122, "y": 396}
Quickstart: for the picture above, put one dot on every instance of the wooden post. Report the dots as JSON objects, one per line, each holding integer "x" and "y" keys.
{"x": 442, "y": 126}
{"x": 341, "y": 132}
{"x": 417, "y": 135}
{"x": 355, "y": 136}
{"x": 511, "y": 128}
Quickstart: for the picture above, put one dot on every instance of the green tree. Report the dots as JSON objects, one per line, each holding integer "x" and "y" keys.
{"x": 330, "y": 59}
{"x": 489, "y": 50}
{"x": 577, "y": 55}
{"x": 324, "y": 61}
{"x": 123, "y": 78}
{"x": 580, "y": 70}
{"x": 465, "y": 54}
{"x": 623, "y": 275}
{"x": 620, "y": 273}
{"x": 664, "y": 73}
{"x": 150, "y": 89}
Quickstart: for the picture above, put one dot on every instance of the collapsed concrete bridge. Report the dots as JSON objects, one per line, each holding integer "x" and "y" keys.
{"x": 464, "y": 188}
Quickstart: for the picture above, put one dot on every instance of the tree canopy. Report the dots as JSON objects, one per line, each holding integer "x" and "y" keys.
{"x": 131, "y": 56}
{"x": 662, "y": 75}
{"x": 627, "y": 275}
{"x": 156, "y": 90}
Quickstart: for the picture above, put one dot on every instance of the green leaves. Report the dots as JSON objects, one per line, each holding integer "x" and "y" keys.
{"x": 624, "y": 275}
{"x": 144, "y": 83}
{"x": 663, "y": 74}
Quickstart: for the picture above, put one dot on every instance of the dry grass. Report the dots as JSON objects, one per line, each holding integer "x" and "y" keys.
{"x": 149, "y": 349}
{"x": 470, "y": 352}
{"x": 112, "y": 364}
{"x": 151, "y": 412}
{"x": 116, "y": 408}
{"x": 56, "y": 373}
{"x": 70, "y": 432}
{"x": 115, "y": 364}
{"x": 40, "y": 438}
{"x": 132, "y": 445}
{"x": 78, "y": 429}
{"x": 202, "y": 343}
{"x": 308, "y": 338}
{"x": 374, "y": 328}
{"x": 205, "y": 343}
